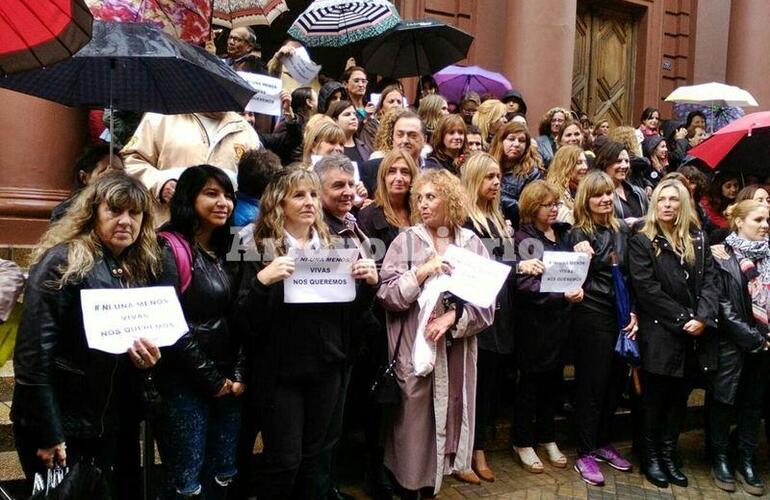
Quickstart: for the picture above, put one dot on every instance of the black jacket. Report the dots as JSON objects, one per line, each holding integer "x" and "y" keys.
{"x": 668, "y": 295}
{"x": 372, "y": 221}
{"x": 598, "y": 290}
{"x": 295, "y": 342}
{"x": 64, "y": 389}
{"x": 541, "y": 319}
{"x": 286, "y": 140}
{"x": 739, "y": 334}
{"x": 447, "y": 163}
{"x": 213, "y": 348}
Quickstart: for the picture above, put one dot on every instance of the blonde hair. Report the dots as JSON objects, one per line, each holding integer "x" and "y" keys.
{"x": 488, "y": 113}
{"x": 596, "y": 183}
{"x": 563, "y": 166}
{"x": 741, "y": 210}
{"x": 481, "y": 211}
{"x": 381, "y": 197}
{"x": 449, "y": 189}
{"x": 533, "y": 195}
{"x": 269, "y": 229}
{"x": 77, "y": 230}
{"x": 323, "y": 131}
{"x": 679, "y": 236}
{"x": 383, "y": 139}
{"x": 627, "y": 137}
{"x": 430, "y": 110}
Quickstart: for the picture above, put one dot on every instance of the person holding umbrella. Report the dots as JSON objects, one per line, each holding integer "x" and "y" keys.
{"x": 599, "y": 376}
{"x": 673, "y": 275}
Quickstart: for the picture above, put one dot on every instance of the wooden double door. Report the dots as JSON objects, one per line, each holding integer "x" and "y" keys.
{"x": 603, "y": 70}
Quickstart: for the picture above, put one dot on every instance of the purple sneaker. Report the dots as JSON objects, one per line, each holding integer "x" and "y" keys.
{"x": 589, "y": 471}
{"x": 613, "y": 458}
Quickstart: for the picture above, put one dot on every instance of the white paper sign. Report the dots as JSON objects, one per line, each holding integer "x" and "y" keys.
{"x": 267, "y": 100}
{"x": 564, "y": 271}
{"x": 115, "y": 317}
{"x": 321, "y": 276}
{"x": 301, "y": 67}
{"x": 374, "y": 99}
{"x": 474, "y": 278}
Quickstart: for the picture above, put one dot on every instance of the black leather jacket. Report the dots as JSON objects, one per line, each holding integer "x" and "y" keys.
{"x": 739, "y": 335}
{"x": 599, "y": 292}
{"x": 64, "y": 389}
{"x": 212, "y": 349}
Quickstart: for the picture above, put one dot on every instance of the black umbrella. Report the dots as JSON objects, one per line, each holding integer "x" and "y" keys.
{"x": 137, "y": 67}
{"x": 416, "y": 48}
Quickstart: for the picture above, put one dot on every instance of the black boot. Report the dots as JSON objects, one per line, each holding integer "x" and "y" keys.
{"x": 668, "y": 463}
{"x": 651, "y": 463}
{"x": 747, "y": 475}
{"x": 720, "y": 471}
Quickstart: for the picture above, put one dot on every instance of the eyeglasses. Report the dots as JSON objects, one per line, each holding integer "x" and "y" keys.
{"x": 555, "y": 204}
{"x": 359, "y": 80}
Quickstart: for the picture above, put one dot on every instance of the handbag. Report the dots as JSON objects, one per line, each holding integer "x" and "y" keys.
{"x": 83, "y": 480}
{"x": 385, "y": 391}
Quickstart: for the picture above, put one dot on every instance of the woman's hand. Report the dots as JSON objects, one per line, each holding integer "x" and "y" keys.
{"x": 237, "y": 389}
{"x": 630, "y": 221}
{"x": 369, "y": 108}
{"x": 680, "y": 133}
{"x": 574, "y": 296}
{"x": 433, "y": 267}
{"x": 439, "y": 326}
{"x": 55, "y": 455}
{"x": 226, "y": 389}
{"x": 366, "y": 269}
{"x": 584, "y": 247}
{"x": 286, "y": 104}
{"x": 535, "y": 267}
{"x": 278, "y": 270}
{"x": 719, "y": 252}
{"x": 284, "y": 51}
{"x": 144, "y": 354}
{"x": 361, "y": 190}
{"x": 631, "y": 328}
{"x": 167, "y": 191}
{"x": 694, "y": 327}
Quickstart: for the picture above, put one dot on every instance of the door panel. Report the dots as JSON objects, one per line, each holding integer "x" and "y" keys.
{"x": 581, "y": 67}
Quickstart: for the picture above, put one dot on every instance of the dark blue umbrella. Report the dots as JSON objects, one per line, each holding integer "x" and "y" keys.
{"x": 625, "y": 348}
{"x": 137, "y": 67}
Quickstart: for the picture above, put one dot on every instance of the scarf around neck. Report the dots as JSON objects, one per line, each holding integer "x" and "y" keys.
{"x": 754, "y": 260}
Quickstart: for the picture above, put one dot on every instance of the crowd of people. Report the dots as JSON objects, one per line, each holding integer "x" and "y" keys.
{"x": 215, "y": 204}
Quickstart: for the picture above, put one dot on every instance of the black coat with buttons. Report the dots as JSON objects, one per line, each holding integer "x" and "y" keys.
{"x": 739, "y": 334}
{"x": 668, "y": 295}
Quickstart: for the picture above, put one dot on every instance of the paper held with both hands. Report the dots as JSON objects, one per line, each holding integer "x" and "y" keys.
{"x": 564, "y": 271}
{"x": 113, "y": 318}
{"x": 475, "y": 279}
{"x": 321, "y": 276}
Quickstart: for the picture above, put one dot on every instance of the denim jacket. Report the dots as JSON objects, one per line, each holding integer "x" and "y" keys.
{"x": 511, "y": 187}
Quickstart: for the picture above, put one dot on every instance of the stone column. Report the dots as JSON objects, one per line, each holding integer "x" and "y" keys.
{"x": 538, "y": 51}
{"x": 748, "y": 64}
{"x": 38, "y": 146}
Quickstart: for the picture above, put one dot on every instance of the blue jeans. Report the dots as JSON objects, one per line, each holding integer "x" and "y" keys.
{"x": 197, "y": 438}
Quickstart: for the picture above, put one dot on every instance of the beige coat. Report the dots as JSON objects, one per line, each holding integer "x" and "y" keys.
{"x": 163, "y": 145}
{"x": 432, "y": 431}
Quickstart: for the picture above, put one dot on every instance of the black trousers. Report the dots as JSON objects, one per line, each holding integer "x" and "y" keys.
{"x": 327, "y": 460}
{"x": 243, "y": 485}
{"x": 746, "y": 411}
{"x": 664, "y": 403}
{"x": 535, "y": 407}
{"x": 294, "y": 431}
{"x": 489, "y": 386}
{"x": 600, "y": 377}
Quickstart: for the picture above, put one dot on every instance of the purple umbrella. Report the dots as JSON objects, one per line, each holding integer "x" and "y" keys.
{"x": 454, "y": 81}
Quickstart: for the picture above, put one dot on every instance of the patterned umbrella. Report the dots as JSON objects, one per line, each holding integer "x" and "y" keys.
{"x": 187, "y": 20}
{"x": 239, "y": 13}
{"x": 38, "y": 33}
{"x": 335, "y": 23}
{"x": 716, "y": 116}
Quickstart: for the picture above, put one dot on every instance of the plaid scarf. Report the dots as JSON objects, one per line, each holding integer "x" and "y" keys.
{"x": 754, "y": 260}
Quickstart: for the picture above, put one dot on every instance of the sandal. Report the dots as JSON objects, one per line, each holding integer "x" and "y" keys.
{"x": 529, "y": 459}
{"x": 555, "y": 456}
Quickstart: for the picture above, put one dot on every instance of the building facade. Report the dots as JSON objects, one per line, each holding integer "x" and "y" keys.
{"x": 604, "y": 57}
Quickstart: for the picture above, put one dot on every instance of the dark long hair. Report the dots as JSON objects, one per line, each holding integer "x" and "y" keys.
{"x": 608, "y": 154}
{"x": 184, "y": 220}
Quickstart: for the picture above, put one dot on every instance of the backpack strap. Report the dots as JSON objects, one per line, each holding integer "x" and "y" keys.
{"x": 182, "y": 256}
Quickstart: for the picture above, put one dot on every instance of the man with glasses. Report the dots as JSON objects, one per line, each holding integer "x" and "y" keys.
{"x": 241, "y": 44}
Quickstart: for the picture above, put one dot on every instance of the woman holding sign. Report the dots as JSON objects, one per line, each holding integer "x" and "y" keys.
{"x": 677, "y": 298}
{"x": 300, "y": 348}
{"x": 432, "y": 429}
{"x": 69, "y": 401}
{"x": 599, "y": 374}
{"x": 198, "y": 418}
{"x": 481, "y": 180}
{"x": 541, "y": 325}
